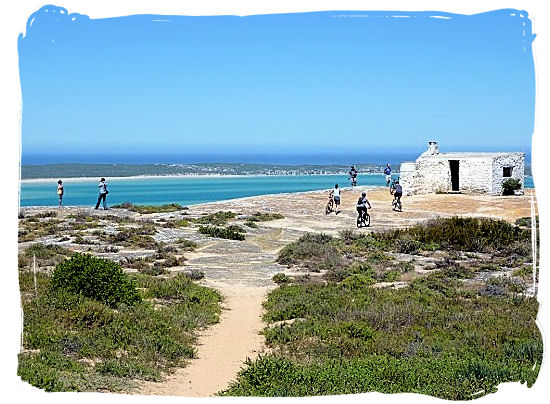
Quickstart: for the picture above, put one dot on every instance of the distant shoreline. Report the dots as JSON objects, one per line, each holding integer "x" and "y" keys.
{"x": 141, "y": 177}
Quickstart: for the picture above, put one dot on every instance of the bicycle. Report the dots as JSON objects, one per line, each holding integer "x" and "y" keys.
{"x": 330, "y": 205}
{"x": 397, "y": 206}
{"x": 363, "y": 220}
{"x": 396, "y": 203}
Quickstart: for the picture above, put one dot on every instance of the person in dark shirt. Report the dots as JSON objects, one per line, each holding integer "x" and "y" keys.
{"x": 397, "y": 192}
{"x": 362, "y": 203}
{"x": 353, "y": 176}
{"x": 387, "y": 171}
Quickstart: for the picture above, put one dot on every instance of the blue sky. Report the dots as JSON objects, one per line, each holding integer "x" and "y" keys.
{"x": 331, "y": 82}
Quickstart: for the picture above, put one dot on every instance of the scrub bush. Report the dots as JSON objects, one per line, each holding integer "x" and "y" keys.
{"x": 95, "y": 278}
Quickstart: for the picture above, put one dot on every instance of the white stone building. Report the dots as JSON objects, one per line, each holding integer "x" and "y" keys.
{"x": 474, "y": 173}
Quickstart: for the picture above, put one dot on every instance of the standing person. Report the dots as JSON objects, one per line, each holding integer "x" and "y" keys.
{"x": 60, "y": 192}
{"x": 387, "y": 171}
{"x": 102, "y": 194}
{"x": 353, "y": 176}
{"x": 336, "y": 196}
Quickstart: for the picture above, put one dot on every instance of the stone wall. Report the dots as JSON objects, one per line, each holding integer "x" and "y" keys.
{"x": 514, "y": 160}
{"x": 475, "y": 175}
{"x": 408, "y": 175}
{"x": 434, "y": 175}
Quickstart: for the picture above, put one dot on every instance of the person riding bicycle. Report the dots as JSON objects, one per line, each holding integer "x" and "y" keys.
{"x": 353, "y": 176}
{"x": 387, "y": 171}
{"x": 362, "y": 206}
{"x": 397, "y": 191}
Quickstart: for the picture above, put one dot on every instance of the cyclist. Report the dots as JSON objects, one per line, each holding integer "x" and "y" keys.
{"x": 397, "y": 191}
{"x": 353, "y": 176}
{"x": 362, "y": 206}
{"x": 336, "y": 196}
{"x": 387, "y": 171}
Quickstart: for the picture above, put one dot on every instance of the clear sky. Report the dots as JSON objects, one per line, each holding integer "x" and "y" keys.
{"x": 331, "y": 82}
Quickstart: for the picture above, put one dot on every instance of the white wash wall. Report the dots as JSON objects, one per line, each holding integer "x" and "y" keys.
{"x": 475, "y": 175}
{"x": 515, "y": 160}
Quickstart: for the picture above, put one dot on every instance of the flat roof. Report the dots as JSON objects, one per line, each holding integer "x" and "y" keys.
{"x": 470, "y": 154}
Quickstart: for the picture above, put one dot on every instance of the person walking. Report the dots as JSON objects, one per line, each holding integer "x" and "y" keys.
{"x": 102, "y": 194}
{"x": 336, "y": 196}
{"x": 353, "y": 176}
{"x": 60, "y": 192}
{"x": 387, "y": 171}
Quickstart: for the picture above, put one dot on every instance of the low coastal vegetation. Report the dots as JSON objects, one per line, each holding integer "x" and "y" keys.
{"x": 232, "y": 232}
{"x": 215, "y": 219}
{"x": 146, "y": 209}
{"x": 91, "y": 327}
{"x": 454, "y": 330}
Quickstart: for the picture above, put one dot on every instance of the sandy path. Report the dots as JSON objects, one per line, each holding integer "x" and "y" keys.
{"x": 222, "y": 348}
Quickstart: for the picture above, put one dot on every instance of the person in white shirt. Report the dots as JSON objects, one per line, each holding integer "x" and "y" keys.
{"x": 336, "y": 196}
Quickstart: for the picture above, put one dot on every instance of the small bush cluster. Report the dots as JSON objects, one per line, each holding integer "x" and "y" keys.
{"x": 215, "y": 219}
{"x": 281, "y": 278}
{"x": 456, "y": 233}
{"x": 186, "y": 245}
{"x": 133, "y": 237}
{"x": 146, "y": 209}
{"x": 231, "y": 233}
{"x": 264, "y": 217}
{"x": 312, "y": 251}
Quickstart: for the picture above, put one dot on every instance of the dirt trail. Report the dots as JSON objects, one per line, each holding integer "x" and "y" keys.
{"x": 222, "y": 348}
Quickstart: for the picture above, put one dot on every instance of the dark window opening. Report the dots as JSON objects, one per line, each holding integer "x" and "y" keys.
{"x": 507, "y": 171}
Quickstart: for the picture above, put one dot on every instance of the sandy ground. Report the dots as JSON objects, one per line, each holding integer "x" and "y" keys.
{"x": 242, "y": 270}
{"x": 221, "y": 348}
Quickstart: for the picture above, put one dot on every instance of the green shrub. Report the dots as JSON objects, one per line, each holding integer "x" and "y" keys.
{"x": 195, "y": 274}
{"x": 510, "y": 185}
{"x": 281, "y": 278}
{"x": 264, "y": 217}
{"x": 526, "y": 221}
{"x": 95, "y": 278}
{"x": 312, "y": 251}
{"x": 251, "y": 224}
{"x": 146, "y": 209}
{"x": 216, "y": 219}
{"x": 220, "y": 232}
{"x": 392, "y": 276}
{"x": 357, "y": 281}
{"x": 186, "y": 245}
{"x": 456, "y": 233}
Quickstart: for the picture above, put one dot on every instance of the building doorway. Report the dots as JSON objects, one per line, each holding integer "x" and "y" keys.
{"x": 454, "y": 175}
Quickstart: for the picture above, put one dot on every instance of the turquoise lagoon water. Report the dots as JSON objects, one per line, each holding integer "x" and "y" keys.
{"x": 186, "y": 190}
